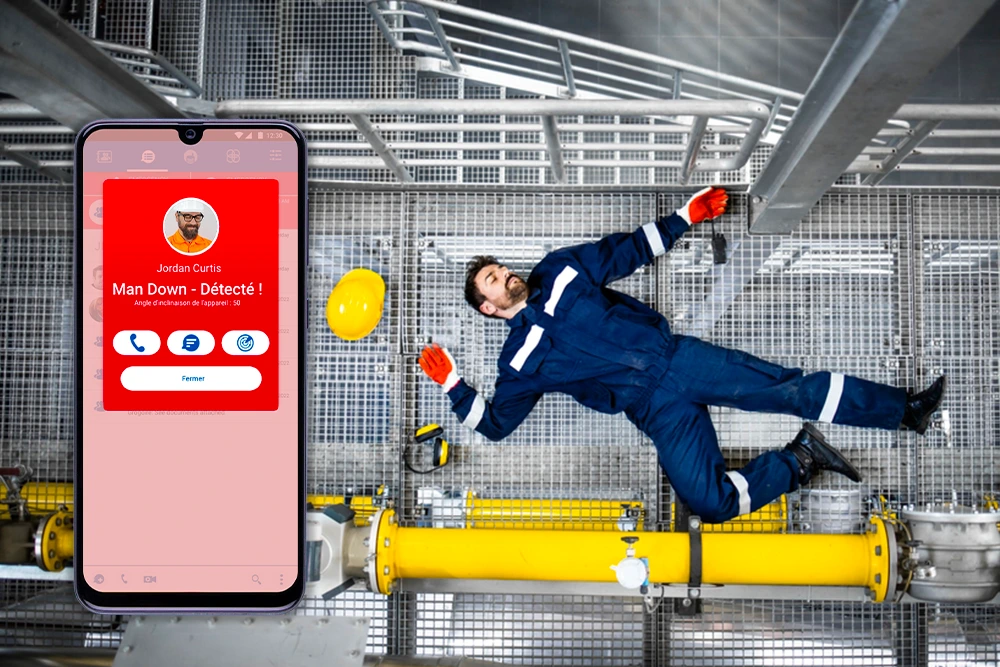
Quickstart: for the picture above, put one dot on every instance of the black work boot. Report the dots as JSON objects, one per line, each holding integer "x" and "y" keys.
{"x": 814, "y": 453}
{"x": 920, "y": 407}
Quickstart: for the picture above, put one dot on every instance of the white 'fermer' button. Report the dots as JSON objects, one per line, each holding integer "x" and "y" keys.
{"x": 191, "y": 378}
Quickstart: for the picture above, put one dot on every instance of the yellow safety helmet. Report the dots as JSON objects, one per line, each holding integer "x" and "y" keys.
{"x": 355, "y": 304}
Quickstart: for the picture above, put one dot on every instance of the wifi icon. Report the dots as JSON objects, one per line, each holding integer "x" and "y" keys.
{"x": 239, "y": 134}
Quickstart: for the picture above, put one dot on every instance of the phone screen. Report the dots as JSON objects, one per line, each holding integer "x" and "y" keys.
{"x": 190, "y": 287}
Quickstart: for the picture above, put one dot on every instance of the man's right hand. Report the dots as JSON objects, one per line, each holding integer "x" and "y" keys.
{"x": 704, "y": 205}
{"x": 439, "y": 366}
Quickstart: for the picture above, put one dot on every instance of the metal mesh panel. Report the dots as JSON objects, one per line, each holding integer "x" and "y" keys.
{"x": 240, "y": 42}
{"x": 36, "y": 344}
{"x": 128, "y": 22}
{"x": 79, "y": 13}
{"x": 562, "y": 450}
{"x": 761, "y": 632}
{"x": 354, "y": 413}
{"x": 180, "y": 34}
{"x": 45, "y": 613}
{"x": 891, "y": 286}
{"x": 956, "y": 244}
{"x": 529, "y": 629}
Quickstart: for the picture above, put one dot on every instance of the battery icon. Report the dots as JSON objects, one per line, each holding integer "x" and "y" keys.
{"x": 260, "y": 135}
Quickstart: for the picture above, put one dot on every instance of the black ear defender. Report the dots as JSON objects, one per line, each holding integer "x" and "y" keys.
{"x": 431, "y": 434}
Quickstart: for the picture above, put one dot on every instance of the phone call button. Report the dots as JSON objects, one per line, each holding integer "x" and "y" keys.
{"x": 136, "y": 343}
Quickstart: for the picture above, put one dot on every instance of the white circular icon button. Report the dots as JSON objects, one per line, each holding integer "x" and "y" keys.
{"x": 136, "y": 343}
{"x": 190, "y": 342}
{"x": 243, "y": 343}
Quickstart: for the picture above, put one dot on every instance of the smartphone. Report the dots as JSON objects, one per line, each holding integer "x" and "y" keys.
{"x": 190, "y": 260}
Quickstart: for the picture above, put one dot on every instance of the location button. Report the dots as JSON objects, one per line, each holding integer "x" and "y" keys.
{"x": 191, "y": 378}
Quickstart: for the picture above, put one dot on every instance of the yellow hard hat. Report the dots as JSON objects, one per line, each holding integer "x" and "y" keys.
{"x": 355, "y": 304}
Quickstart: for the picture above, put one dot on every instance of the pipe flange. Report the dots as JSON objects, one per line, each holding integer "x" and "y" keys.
{"x": 882, "y": 560}
{"x": 372, "y": 551}
{"x": 381, "y": 540}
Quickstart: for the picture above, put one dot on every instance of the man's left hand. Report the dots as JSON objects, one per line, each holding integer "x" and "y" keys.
{"x": 704, "y": 205}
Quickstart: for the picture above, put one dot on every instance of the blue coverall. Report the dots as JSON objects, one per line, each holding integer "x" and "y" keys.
{"x": 613, "y": 353}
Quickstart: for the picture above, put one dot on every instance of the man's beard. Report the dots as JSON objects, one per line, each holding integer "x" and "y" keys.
{"x": 516, "y": 293}
{"x": 189, "y": 233}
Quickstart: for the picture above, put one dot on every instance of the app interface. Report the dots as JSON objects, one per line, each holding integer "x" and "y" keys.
{"x": 190, "y": 348}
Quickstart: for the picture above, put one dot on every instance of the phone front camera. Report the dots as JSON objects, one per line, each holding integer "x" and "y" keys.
{"x": 190, "y": 134}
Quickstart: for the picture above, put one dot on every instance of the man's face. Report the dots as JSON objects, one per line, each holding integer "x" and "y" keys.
{"x": 99, "y": 277}
{"x": 501, "y": 287}
{"x": 189, "y": 222}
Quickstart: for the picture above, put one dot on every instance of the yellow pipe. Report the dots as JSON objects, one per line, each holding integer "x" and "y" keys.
{"x": 363, "y": 506}
{"x": 538, "y": 514}
{"x": 771, "y": 518}
{"x": 586, "y": 556}
{"x": 44, "y": 497}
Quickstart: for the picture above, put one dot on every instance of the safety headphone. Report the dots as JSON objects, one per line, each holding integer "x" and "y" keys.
{"x": 431, "y": 433}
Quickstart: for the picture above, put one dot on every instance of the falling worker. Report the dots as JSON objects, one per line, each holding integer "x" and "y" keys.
{"x": 570, "y": 333}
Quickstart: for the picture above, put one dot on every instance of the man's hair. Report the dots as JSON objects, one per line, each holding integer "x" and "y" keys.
{"x": 472, "y": 293}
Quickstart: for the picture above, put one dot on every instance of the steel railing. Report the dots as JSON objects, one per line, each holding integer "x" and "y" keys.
{"x": 545, "y": 61}
{"x": 554, "y": 62}
{"x": 691, "y": 119}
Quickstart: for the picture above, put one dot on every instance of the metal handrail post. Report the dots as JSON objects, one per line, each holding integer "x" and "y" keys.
{"x": 380, "y": 22}
{"x": 903, "y": 151}
{"x": 432, "y": 18}
{"x": 567, "y": 66}
{"x": 381, "y": 149}
{"x": 753, "y": 135}
{"x": 554, "y": 148}
{"x": 694, "y": 143}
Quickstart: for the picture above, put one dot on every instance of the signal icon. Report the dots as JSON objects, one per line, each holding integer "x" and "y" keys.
{"x": 238, "y": 134}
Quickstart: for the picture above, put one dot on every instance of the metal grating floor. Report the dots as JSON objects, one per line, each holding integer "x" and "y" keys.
{"x": 893, "y": 285}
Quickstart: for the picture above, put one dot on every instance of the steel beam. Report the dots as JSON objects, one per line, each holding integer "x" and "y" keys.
{"x": 886, "y": 49}
{"x": 18, "y": 110}
{"x": 54, "y": 68}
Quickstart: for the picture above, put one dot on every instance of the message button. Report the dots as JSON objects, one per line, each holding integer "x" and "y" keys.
{"x": 190, "y": 342}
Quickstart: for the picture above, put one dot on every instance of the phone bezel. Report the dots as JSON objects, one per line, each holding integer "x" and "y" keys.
{"x": 187, "y": 602}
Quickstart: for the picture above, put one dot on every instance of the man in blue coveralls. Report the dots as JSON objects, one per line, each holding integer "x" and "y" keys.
{"x": 570, "y": 333}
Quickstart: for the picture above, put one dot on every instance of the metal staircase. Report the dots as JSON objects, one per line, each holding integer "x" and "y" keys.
{"x": 703, "y": 126}
{"x": 473, "y": 45}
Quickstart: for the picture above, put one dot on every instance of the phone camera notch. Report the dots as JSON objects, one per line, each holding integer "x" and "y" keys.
{"x": 190, "y": 135}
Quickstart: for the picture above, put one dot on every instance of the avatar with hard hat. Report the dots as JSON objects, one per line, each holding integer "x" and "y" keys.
{"x": 189, "y": 213}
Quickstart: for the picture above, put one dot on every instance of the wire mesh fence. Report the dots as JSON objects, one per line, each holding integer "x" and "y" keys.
{"x": 892, "y": 286}
{"x": 896, "y": 286}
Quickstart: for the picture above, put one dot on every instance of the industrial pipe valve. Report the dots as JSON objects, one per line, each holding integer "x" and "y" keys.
{"x": 632, "y": 572}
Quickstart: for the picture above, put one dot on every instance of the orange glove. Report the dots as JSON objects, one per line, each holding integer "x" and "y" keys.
{"x": 439, "y": 366}
{"x": 706, "y": 204}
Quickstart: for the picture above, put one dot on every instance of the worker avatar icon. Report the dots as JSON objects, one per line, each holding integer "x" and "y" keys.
{"x": 190, "y": 226}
